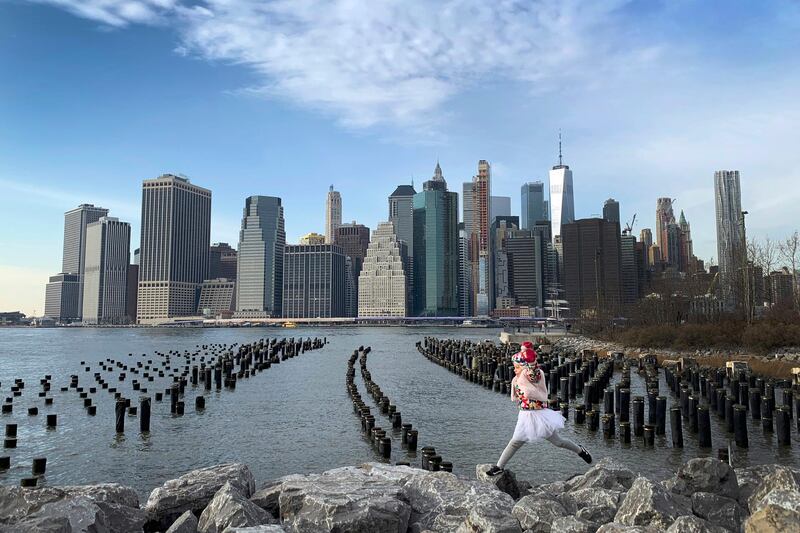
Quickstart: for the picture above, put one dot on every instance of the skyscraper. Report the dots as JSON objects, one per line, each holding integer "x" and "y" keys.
{"x": 500, "y": 287}
{"x": 61, "y": 298}
{"x": 314, "y": 281}
{"x": 436, "y": 249}
{"x": 176, "y": 226}
{"x": 592, "y": 266}
{"x": 259, "y": 276}
{"x": 534, "y": 206}
{"x": 611, "y": 211}
{"x": 480, "y": 243}
{"x": 500, "y": 207}
{"x": 464, "y": 273}
{"x": 73, "y": 262}
{"x": 382, "y": 283}
{"x": 526, "y": 266}
{"x": 562, "y": 202}
{"x": 222, "y": 261}
{"x": 401, "y": 215}
{"x": 664, "y": 217}
{"x": 628, "y": 269}
{"x": 354, "y": 240}
{"x": 333, "y": 214}
{"x": 646, "y": 237}
{"x": 687, "y": 248}
{"x": 730, "y": 241}
{"x": 105, "y": 278}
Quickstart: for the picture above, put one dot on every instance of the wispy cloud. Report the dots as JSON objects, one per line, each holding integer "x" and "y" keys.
{"x": 387, "y": 62}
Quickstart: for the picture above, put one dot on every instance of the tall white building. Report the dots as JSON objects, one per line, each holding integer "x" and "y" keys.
{"x": 382, "y": 283}
{"x": 176, "y": 228}
{"x": 74, "y": 259}
{"x": 562, "y": 202}
{"x": 105, "y": 279}
{"x": 333, "y": 215}
{"x": 730, "y": 241}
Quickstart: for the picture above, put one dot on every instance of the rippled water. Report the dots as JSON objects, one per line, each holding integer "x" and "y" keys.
{"x": 296, "y": 417}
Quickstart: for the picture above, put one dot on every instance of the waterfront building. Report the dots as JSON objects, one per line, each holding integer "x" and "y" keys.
{"x": 74, "y": 252}
{"x": 611, "y": 211}
{"x": 499, "y": 270}
{"x": 592, "y": 272}
{"x": 333, "y": 214}
{"x": 217, "y": 297}
{"x": 436, "y": 249}
{"x": 401, "y": 215}
{"x": 500, "y": 207}
{"x": 61, "y": 298}
{"x": 262, "y": 240}
{"x": 629, "y": 269}
{"x": 382, "y": 284}
{"x": 562, "y": 201}
{"x": 480, "y": 243}
{"x": 526, "y": 266}
{"x": 664, "y": 217}
{"x": 314, "y": 279}
{"x": 175, "y": 235}
{"x": 312, "y": 238}
{"x": 222, "y": 261}
{"x": 731, "y": 252}
{"x": 354, "y": 240}
{"x": 534, "y": 205}
{"x": 464, "y": 273}
{"x": 105, "y": 278}
{"x": 132, "y": 291}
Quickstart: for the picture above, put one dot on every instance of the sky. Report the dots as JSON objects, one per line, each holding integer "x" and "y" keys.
{"x": 288, "y": 97}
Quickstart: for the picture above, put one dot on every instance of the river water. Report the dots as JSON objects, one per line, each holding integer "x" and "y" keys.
{"x": 295, "y": 417}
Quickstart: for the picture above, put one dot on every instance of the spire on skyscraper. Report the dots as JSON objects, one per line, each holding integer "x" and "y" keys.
{"x": 437, "y": 173}
{"x": 560, "y": 163}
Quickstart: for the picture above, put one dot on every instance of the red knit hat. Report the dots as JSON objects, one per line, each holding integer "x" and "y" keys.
{"x": 525, "y": 355}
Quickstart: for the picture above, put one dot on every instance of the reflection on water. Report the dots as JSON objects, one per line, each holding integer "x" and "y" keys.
{"x": 296, "y": 416}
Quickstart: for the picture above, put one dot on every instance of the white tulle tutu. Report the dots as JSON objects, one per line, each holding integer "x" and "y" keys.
{"x": 537, "y": 424}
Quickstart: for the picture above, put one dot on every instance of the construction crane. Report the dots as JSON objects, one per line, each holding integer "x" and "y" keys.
{"x": 629, "y": 226}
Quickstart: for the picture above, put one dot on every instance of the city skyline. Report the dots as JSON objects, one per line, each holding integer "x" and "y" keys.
{"x": 102, "y": 135}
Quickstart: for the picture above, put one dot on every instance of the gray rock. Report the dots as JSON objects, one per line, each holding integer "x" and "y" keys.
{"x": 571, "y": 524}
{"x": 95, "y": 508}
{"x": 780, "y": 478}
{"x": 718, "y": 510}
{"x": 773, "y": 519}
{"x": 267, "y": 497}
{"x": 272, "y": 528}
{"x": 606, "y": 474}
{"x": 788, "y": 499}
{"x": 615, "y": 527}
{"x": 649, "y": 504}
{"x": 505, "y": 482}
{"x": 548, "y": 491}
{"x": 229, "y": 508}
{"x": 750, "y": 478}
{"x": 693, "y": 524}
{"x": 576, "y": 500}
{"x": 193, "y": 490}
{"x": 186, "y": 523}
{"x": 537, "y": 515}
{"x": 705, "y": 475}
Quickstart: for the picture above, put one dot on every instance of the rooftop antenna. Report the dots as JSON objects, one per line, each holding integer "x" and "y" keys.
{"x": 331, "y": 189}
{"x": 559, "y": 148}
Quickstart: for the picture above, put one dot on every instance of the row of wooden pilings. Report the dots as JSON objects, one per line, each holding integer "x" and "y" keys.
{"x": 215, "y": 366}
{"x": 379, "y": 437}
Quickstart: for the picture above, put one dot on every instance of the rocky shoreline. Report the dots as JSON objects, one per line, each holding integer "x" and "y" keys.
{"x": 705, "y": 495}
{"x": 576, "y": 343}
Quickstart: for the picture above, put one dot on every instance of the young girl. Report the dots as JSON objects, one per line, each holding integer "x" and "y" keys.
{"x": 535, "y": 421}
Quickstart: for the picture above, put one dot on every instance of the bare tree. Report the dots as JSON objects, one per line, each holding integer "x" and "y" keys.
{"x": 790, "y": 253}
{"x": 763, "y": 253}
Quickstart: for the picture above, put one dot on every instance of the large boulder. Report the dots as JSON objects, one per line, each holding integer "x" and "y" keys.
{"x": 505, "y": 482}
{"x": 750, "y": 478}
{"x": 705, "y": 475}
{"x": 693, "y": 524}
{"x": 571, "y": 524}
{"x": 773, "y": 519}
{"x": 229, "y": 508}
{"x": 780, "y": 479}
{"x": 536, "y": 515}
{"x": 575, "y": 500}
{"x": 649, "y": 504}
{"x": 606, "y": 474}
{"x": 186, "y": 523}
{"x": 193, "y": 490}
{"x": 97, "y": 508}
{"x": 718, "y": 510}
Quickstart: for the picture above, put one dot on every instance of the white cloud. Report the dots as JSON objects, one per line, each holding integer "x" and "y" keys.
{"x": 386, "y": 62}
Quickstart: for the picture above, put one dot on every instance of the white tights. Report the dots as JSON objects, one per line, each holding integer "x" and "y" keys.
{"x": 555, "y": 439}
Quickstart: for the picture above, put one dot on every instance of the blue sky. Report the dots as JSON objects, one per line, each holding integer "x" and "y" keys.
{"x": 287, "y": 97}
